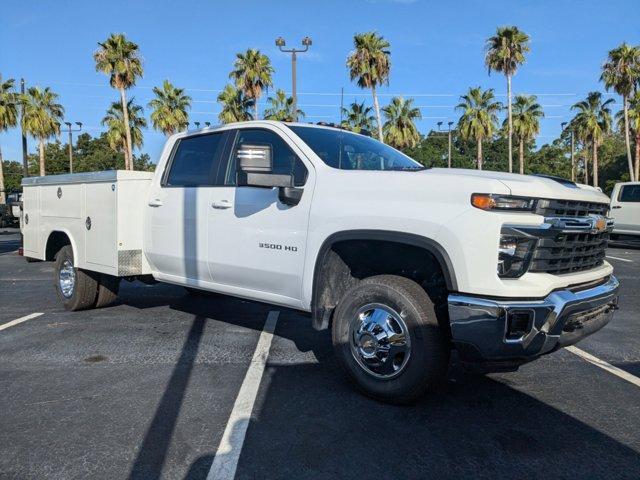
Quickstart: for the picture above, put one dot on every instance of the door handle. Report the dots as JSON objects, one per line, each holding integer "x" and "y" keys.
{"x": 221, "y": 204}
{"x": 156, "y": 203}
{"x": 617, "y": 206}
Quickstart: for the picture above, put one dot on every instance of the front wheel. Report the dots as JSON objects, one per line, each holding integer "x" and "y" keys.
{"x": 387, "y": 339}
{"x": 76, "y": 288}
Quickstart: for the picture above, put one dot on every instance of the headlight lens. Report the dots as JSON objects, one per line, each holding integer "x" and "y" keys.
{"x": 486, "y": 201}
{"x": 514, "y": 254}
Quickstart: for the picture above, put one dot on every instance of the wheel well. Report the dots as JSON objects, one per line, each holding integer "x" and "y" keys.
{"x": 55, "y": 242}
{"x": 344, "y": 263}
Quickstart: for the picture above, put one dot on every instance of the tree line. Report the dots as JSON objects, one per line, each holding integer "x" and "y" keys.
{"x": 39, "y": 113}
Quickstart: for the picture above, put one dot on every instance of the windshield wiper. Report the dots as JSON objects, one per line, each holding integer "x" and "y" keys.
{"x": 406, "y": 169}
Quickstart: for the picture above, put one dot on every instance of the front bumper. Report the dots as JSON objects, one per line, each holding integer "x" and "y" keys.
{"x": 504, "y": 330}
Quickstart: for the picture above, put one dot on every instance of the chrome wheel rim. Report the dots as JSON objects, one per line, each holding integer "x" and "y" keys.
{"x": 380, "y": 341}
{"x": 67, "y": 278}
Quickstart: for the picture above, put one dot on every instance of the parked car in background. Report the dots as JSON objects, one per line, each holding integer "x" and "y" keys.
{"x": 625, "y": 210}
{"x": 10, "y": 211}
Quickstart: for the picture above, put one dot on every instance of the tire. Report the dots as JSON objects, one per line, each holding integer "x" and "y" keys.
{"x": 108, "y": 288}
{"x": 82, "y": 292}
{"x": 403, "y": 307}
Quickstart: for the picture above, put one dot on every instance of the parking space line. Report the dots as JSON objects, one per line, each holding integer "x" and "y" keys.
{"x": 20, "y": 320}
{"x": 621, "y": 259}
{"x": 225, "y": 462}
{"x": 605, "y": 366}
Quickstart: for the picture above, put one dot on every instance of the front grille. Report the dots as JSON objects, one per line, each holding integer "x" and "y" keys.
{"x": 570, "y": 208}
{"x": 559, "y": 252}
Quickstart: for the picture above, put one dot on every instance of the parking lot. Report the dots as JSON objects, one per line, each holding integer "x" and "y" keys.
{"x": 148, "y": 388}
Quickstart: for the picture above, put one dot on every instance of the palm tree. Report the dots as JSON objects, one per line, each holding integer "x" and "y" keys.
{"x": 235, "y": 105}
{"x": 592, "y": 122}
{"x": 479, "y": 117}
{"x": 42, "y": 117}
{"x": 505, "y": 53}
{"x": 120, "y": 59}
{"x": 280, "y": 107}
{"x": 621, "y": 72}
{"x": 633, "y": 119}
{"x": 252, "y": 74}
{"x": 170, "y": 107}
{"x": 526, "y": 122}
{"x": 114, "y": 120}
{"x": 399, "y": 129}
{"x": 358, "y": 118}
{"x": 8, "y": 119}
{"x": 370, "y": 64}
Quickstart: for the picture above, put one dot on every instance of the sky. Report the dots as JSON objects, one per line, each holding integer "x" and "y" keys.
{"x": 437, "y": 52}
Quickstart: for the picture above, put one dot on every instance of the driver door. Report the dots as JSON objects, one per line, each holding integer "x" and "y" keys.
{"x": 256, "y": 243}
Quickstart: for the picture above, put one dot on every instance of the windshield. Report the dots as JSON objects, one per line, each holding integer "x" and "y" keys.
{"x": 351, "y": 151}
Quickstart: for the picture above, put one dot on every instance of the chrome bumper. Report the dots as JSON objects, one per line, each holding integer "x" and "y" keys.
{"x": 487, "y": 330}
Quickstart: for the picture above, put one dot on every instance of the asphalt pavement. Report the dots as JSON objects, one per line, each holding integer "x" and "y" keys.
{"x": 156, "y": 387}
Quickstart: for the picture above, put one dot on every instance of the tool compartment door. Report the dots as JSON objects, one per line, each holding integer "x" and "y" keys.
{"x": 100, "y": 227}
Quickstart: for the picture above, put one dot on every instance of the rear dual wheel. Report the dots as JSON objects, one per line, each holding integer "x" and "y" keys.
{"x": 387, "y": 339}
{"x": 79, "y": 289}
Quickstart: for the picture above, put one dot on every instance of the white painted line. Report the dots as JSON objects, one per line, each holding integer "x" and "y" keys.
{"x": 621, "y": 259}
{"x": 618, "y": 372}
{"x": 20, "y": 320}
{"x": 226, "y": 460}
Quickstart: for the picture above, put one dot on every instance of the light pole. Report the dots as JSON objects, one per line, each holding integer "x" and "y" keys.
{"x": 197, "y": 124}
{"x": 449, "y": 135}
{"x": 25, "y": 164}
{"x": 449, "y": 125}
{"x": 306, "y": 43}
{"x": 573, "y": 163}
{"x": 70, "y": 132}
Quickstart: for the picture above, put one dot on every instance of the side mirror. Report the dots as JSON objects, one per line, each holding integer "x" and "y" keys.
{"x": 255, "y": 167}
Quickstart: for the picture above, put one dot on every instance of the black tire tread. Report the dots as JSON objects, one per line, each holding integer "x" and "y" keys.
{"x": 108, "y": 288}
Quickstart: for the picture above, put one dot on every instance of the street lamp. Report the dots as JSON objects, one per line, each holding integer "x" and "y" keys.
{"x": 25, "y": 163}
{"x": 449, "y": 135}
{"x": 197, "y": 124}
{"x": 573, "y": 163}
{"x": 306, "y": 43}
{"x": 207, "y": 124}
{"x": 70, "y": 131}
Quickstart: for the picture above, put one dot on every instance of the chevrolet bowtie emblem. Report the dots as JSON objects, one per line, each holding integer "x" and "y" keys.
{"x": 600, "y": 224}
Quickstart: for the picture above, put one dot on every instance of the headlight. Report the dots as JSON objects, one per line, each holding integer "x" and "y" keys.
{"x": 486, "y": 201}
{"x": 514, "y": 253}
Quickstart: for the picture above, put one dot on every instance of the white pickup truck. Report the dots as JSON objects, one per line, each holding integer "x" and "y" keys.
{"x": 625, "y": 210}
{"x": 403, "y": 263}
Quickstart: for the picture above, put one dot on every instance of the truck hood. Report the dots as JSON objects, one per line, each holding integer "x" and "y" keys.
{"x": 531, "y": 185}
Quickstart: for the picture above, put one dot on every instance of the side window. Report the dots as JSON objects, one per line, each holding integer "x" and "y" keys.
{"x": 195, "y": 161}
{"x": 629, "y": 193}
{"x": 284, "y": 160}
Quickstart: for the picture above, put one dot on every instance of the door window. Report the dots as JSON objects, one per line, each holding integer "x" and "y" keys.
{"x": 195, "y": 161}
{"x": 285, "y": 161}
{"x": 629, "y": 193}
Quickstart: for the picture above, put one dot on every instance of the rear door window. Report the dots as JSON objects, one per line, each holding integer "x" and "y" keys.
{"x": 195, "y": 161}
{"x": 629, "y": 193}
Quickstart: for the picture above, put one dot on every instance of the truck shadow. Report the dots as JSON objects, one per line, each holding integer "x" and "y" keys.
{"x": 231, "y": 310}
{"x": 153, "y": 451}
{"x": 309, "y": 423}
{"x": 309, "y": 426}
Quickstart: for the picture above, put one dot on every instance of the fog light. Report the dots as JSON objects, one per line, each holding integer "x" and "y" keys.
{"x": 519, "y": 323}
